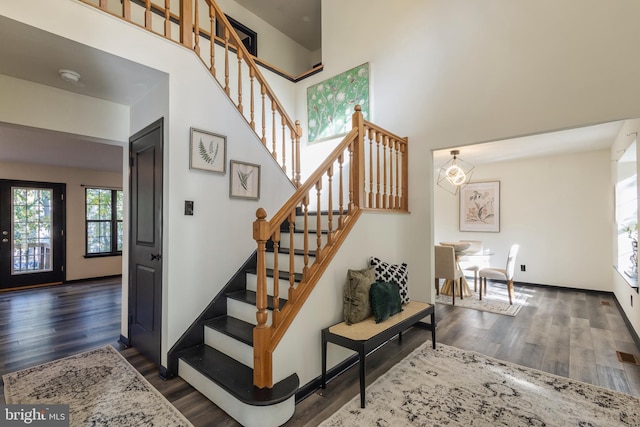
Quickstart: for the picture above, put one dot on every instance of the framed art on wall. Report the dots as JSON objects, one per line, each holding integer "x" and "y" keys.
{"x": 331, "y": 103}
{"x": 480, "y": 207}
{"x": 244, "y": 180}
{"x": 207, "y": 151}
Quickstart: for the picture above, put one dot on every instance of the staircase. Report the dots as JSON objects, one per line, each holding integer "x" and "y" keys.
{"x": 221, "y": 367}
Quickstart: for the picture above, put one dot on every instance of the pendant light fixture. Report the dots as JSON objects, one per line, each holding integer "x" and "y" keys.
{"x": 455, "y": 174}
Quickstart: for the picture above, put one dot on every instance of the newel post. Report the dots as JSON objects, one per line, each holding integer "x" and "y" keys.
{"x": 357, "y": 170}
{"x": 262, "y": 368}
{"x": 186, "y": 23}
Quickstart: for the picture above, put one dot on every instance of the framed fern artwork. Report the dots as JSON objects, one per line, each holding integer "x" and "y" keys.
{"x": 244, "y": 180}
{"x": 208, "y": 151}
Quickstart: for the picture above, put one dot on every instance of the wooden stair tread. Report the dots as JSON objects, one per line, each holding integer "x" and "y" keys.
{"x": 233, "y": 327}
{"x": 236, "y": 378}
{"x": 250, "y": 298}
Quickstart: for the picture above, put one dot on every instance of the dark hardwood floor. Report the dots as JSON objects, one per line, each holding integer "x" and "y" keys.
{"x": 565, "y": 332}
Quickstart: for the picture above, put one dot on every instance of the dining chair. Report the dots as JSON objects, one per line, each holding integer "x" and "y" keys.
{"x": 468, "y": 265}
{"x": 501, "y": 274}
{"x": 446, "y": 268}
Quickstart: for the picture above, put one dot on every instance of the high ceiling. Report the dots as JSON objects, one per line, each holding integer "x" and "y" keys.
{"x": 299, "y": 19}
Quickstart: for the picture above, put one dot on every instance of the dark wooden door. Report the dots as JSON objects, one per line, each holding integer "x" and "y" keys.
{"x": 145, "y": 260}
{"x": 32, "y": 242}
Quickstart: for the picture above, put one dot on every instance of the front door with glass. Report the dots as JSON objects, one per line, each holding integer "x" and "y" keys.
{"x": 32, "y": 220}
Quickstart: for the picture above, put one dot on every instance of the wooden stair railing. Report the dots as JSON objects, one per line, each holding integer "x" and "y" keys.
{"x": 194, "y": 26}
{"x": 376, "y": 179}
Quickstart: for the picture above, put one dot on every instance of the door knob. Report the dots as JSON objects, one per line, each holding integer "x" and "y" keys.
{"x": 5, "y": 232}
{"x": 156, "y": 257}
{"x": 5, "y": 240}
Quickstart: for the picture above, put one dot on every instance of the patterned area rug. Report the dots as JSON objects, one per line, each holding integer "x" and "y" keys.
{"x": 100, "y": 387}
{"x": 452, "y": 387}
{"x": 495, "y": 301}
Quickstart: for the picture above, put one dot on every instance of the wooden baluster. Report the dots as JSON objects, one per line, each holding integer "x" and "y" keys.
{"x": 126, "y": 9}
{"x": 385, "y": 142}
{"x": 318, "y": 221}
{"x": 196, "y": 28}
{"x": 292, "y": 267}
{"x": 378, "y": 135}
{"x": 273, "y": 129}
{"x": 330, "y": 206}
{"x": 405, "y": 177}
{"x": 263, "y": 91}
{"x": 351, "y": 178}
{"x": 252, "y": 75}
{"x": 186, "y": 23}
{"x": 226, "y": 61}
{"x": 296, "y": 181}
{"x": 239, "y": 54}
{"x": 167, "y": 21}
{"x": 147, "y": 14}
{"x": 370, "y": 136}
{"x": 397, "y": 200}
{"x": 341, "y": 189}
{"x": 305, "y": 207}
{"x": 103, "y": 4}
{"x": 284, "y": 144}
{"x": 276, "y": 277}
{"x": 262, "y": 364}
{"x": 212, "y": 46}
{"x": 391, "y": 187}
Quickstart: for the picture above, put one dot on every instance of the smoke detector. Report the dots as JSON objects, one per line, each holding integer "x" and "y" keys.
{"x": 69, "y": 76}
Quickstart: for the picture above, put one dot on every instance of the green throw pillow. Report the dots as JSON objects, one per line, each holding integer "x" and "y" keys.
{"x": 385, "y": 300}
{"x": 357, "y": 306}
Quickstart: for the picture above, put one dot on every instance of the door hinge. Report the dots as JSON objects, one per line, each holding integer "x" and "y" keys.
{"x": 62, "y": 268}
{"x": 130, "y": 319}
{"x": 131, "y": 161}
{"x": 62, "y": 197}
{"x": 62, "y": 232}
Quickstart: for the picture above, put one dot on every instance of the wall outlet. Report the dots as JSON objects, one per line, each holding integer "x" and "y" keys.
{"x": 523, "y": 267}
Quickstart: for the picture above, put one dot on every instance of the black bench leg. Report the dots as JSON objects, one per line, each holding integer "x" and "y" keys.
{"x": 324, "y": 361}
{"x": 433, "y": 328}
{"x": 400, "y": 338}
{"x": 362, "y": 376}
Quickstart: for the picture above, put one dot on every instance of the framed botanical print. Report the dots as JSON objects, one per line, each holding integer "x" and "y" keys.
{"x": 208, "y": 151}
{"x": 480, "y": 207}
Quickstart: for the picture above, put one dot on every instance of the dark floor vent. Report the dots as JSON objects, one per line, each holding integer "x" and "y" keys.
{"x": 605, "y": 303}
{"x": 627, "y": 358}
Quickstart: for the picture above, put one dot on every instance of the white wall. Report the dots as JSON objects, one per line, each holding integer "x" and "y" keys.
{"x": 452, "y": 72}
{"x": 559, "y": 209}
{"x": 274, "y": 47}
{"x": 77, "y": 266}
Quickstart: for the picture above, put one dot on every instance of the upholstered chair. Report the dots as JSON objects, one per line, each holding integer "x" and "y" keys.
{"x": 501, "y": 274}
{"x": 447, "y": 269}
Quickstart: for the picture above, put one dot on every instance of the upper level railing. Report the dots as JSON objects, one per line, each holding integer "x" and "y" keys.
{"x": 194, "y": 24}
{"x": 368, "y": 170}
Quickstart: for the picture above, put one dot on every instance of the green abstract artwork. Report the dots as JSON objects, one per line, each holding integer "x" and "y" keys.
{"x": 331, "y": 103}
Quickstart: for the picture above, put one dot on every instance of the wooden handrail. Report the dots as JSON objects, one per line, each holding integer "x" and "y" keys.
{"x": 351, "y": 152}
{"x": 280, "y": 134}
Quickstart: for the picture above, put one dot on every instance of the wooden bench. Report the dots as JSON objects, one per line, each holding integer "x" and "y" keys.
{"x": 366, "y": 336}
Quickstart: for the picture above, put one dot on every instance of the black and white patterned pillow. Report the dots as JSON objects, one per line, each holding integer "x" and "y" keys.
{"x": 397, "y": 273}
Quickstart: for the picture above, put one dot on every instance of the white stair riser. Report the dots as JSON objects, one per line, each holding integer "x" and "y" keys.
{"x": 283, "y": 261}
{"x": 252, "y": 285}
{"x": 244, "y": 311}
{"x": 298, "y": 240}
{"x": 312, "y": 222}
{"x": 247, "y": 415}
{"x": 233, "y": 348}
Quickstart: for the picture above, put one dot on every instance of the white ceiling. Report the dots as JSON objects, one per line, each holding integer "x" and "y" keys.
{"x": 589, "y": 138}
{"x": 36, "y": 56}
{"x": 298, "y": 19}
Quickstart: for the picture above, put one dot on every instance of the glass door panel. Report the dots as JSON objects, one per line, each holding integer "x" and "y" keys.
{"x": 32, "y": 225}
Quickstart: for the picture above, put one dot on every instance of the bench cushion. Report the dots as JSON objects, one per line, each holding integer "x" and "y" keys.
{"x": 369, "y": 328}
